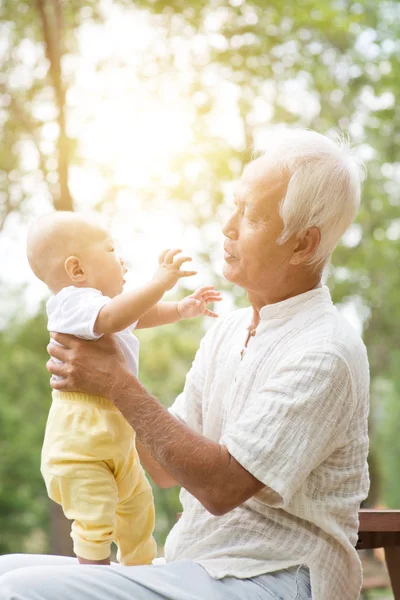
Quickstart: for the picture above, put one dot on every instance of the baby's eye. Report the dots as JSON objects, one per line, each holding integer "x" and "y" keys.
{"x": 112, "y": 249}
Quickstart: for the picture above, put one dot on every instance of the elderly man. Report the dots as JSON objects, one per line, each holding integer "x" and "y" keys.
{"x": 269, "y": 437}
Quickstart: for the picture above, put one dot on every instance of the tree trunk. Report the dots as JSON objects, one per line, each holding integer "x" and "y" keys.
{"x": 50, "y": 13}
{"x": 52, "y": 27}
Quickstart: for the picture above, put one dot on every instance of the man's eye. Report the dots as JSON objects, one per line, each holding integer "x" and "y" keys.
{"x": 112, "y": 249}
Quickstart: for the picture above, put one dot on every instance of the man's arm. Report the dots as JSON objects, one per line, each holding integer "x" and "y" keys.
{"x": 159, "y": 475}
{"x": 203, "y": 467}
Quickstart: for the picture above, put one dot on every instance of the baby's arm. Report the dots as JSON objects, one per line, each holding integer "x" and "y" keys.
{"x": 128, "y": 307}
{"x": 194, "y": 305}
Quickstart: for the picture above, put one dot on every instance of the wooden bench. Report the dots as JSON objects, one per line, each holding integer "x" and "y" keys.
{"x": 381, "y": 529}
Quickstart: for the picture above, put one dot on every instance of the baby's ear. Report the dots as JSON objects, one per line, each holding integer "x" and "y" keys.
{"x": 74, "y": 269}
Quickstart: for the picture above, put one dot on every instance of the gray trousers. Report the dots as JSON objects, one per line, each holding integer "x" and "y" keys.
{"x": 38, "y": 577}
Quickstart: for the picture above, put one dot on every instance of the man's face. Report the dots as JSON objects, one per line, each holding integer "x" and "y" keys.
{"x": 253, "y": 259}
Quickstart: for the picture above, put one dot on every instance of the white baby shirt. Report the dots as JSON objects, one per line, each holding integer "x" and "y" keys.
{"x": 74, "y": 310}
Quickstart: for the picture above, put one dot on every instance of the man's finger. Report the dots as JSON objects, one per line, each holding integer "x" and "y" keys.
{"x": 57, "y": 351}
{"x": 64, "y": 339}
{"x": 59, "y": 384}
{"x": 56, "y": 368}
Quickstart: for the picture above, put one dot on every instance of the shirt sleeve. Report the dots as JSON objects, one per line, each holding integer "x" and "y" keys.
{"x": 294, "y": 422}
{"x": 75, "y": 310}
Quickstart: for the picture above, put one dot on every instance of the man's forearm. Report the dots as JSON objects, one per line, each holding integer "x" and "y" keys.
{"x": 158, "y": 474}
{"x": 198, "y": 464}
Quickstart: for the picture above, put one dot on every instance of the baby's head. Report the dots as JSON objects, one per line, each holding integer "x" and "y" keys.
{"x": 65, "y": 249}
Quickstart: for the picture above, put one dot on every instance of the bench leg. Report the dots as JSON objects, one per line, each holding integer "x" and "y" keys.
{"x": 392, "y": 555}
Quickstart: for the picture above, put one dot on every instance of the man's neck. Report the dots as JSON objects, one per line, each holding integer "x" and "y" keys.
{"x": 258, "y": 300}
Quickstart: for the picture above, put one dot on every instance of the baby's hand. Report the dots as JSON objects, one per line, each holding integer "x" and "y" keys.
{"x": 168, "y": 271}
{"x": 196, "y": 304}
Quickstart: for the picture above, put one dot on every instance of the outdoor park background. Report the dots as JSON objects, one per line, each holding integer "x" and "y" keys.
{"x": 147, "y": 111}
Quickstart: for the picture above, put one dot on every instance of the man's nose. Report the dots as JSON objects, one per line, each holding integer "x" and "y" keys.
{"x": 230, "y": 229}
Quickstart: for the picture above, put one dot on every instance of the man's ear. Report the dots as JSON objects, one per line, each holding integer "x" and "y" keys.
{"x": 306, "y": 246}
{"x": 74, "y": 269}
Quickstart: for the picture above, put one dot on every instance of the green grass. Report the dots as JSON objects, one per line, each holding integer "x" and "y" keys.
{"x": 378, "y": 595}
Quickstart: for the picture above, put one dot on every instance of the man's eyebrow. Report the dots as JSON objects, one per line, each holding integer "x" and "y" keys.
{"x": 238, "y": 200}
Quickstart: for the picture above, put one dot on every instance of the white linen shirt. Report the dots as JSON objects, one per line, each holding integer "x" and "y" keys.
{"x": 74, "y": 310}
{"x": 293, "y": 412}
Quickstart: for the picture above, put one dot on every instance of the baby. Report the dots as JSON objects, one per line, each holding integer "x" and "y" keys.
{"x": 89, "y": 459}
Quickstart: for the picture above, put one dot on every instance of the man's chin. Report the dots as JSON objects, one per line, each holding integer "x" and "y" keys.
{"x": 230, "y": 273}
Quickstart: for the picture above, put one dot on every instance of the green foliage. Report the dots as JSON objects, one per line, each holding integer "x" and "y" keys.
{"x": 24, "y": 402}
{"x": 386, "y": 393}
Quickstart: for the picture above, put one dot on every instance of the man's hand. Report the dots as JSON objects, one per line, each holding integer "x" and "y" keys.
{"x": 168, "y": 271}
{"x": 195, "y": 305}
{"x": 94, "y": 367}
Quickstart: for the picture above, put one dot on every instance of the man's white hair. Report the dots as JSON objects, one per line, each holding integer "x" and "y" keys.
{"x": 324, "y": 188}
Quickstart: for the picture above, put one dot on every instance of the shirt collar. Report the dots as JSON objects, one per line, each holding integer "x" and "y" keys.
{"x": 295, "y": 304}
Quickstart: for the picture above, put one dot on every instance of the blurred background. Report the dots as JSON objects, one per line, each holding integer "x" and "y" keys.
{"x": 147, "y": 111}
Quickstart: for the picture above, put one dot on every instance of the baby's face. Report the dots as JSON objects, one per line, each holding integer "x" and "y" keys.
{"x": 104, "y": 269}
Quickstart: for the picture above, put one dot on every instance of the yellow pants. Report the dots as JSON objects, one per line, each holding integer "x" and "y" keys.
{"x": 91, "y": 468}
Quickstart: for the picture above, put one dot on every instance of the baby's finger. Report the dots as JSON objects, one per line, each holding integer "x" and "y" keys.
{"x": 182, "y": 259}
{"x": 211, "y": 293}
{"x": 208, "y": 299}
{"x": 162, "y": 256}
{"x": 169, "y": 257}
{"x": 202, "y": 290}
{"x": 186, "y": 273}
{"x": 210, "y": 313}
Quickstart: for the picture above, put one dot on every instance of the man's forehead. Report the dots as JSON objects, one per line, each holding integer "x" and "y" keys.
{"x": 261, "y": 168}
{"x": 261, "y": 176}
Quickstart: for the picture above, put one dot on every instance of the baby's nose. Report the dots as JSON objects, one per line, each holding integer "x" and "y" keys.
{"x": 123, "y": 264}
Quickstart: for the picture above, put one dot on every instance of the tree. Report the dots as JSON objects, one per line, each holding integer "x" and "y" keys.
{"x": 239, "y": 65}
